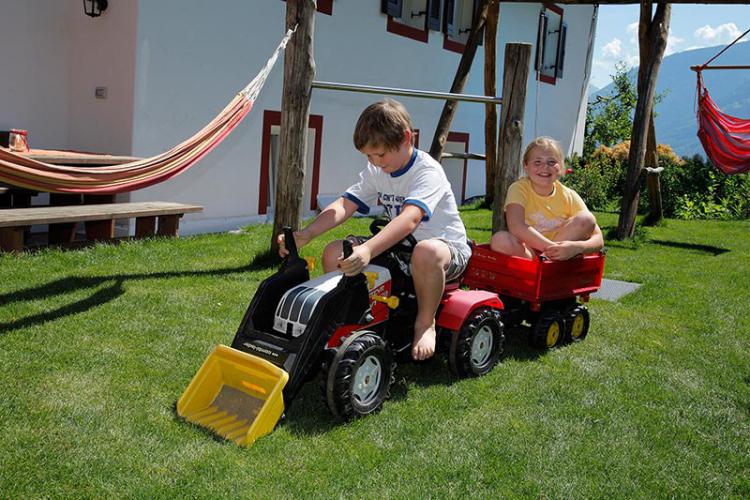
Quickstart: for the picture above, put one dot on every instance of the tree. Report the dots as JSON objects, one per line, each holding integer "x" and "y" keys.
{"x": 653, "y": 30}
{"x": 609, "y": 119}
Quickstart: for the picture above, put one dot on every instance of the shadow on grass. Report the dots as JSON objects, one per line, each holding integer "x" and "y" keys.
{"x": 691, "y": 246}
{"x": 63, "y": 286}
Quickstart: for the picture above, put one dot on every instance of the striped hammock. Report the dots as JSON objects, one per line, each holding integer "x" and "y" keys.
{"x": 24, "y": 172}
{"x": 725, "y": 139}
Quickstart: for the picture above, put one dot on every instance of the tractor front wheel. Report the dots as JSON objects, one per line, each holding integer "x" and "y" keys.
{"x": 476, "y": 348}
{"x": 360, "y": 376}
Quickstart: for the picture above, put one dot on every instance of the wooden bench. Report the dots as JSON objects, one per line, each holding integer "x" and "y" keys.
{"x": 98, "y": 219}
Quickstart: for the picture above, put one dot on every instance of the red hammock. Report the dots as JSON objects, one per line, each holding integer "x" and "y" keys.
{"x": 725, "y": 139}
{"x": 21, "y": 171}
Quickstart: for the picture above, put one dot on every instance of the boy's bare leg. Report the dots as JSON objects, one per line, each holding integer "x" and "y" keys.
{"x": 429, "y": 261}
{"x": 331, "y": 255}
{"x": 505, "y": 243}
{"x": 580, "y": 227}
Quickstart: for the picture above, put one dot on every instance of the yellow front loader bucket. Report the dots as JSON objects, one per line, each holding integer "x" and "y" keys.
{"x": 236, "y": 395}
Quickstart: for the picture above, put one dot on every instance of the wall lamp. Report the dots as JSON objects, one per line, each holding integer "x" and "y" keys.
{"x": 94, "y": 8}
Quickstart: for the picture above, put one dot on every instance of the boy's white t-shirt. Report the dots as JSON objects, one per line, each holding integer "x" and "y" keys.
{"x": 422, "y": 183}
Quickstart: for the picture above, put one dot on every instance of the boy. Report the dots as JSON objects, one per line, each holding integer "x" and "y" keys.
{"x": 544, "y": 216}
{"x": 417, "y": 198}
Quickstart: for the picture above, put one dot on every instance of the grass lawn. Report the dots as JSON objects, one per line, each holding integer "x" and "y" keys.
{"x": 96, "y": 346}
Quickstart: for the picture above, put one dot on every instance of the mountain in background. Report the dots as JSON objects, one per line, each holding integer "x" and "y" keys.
{"x": 675, "y": 115}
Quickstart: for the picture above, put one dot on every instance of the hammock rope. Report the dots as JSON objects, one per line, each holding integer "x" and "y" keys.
{"x": 725, "y": 138}
{"x": 22, "y": 171}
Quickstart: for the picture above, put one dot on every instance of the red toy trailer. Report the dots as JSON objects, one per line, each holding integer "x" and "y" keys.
{"x": 543, "y": 292}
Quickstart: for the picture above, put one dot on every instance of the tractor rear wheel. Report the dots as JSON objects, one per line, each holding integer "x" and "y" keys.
{"x": 548, "y": 330}
{"x": 576, "y": 323}
{"x": 360, "y": 376}
{"x": 476, "y": 348}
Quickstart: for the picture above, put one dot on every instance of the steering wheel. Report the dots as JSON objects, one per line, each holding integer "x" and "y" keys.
{"x": 406, "y": 245}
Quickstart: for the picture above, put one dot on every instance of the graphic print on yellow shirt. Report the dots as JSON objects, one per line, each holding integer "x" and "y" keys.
{"x": 546, "y": 214}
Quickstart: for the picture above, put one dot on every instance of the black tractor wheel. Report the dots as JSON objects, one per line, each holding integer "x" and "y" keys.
{"x": 548, "y": 330}
{"x": 477, "y": 347}
{"x": 359, "y": 376}
{"x": 576, "y": 323}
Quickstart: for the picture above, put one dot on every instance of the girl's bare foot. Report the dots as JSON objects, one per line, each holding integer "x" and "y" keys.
{"x": 423, "y": 346}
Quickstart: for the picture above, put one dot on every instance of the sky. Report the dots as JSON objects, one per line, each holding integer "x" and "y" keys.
{"x": 691, "y": 27}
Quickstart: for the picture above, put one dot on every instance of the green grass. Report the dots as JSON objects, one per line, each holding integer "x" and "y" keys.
{"x": 96, "y": 345}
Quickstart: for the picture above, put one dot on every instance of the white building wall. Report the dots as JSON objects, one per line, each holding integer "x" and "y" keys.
{"x": 183, "y": 60}
{"x": 34, "y": 79}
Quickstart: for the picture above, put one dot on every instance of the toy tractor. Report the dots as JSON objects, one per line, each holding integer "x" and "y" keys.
{"x": 548, "y": 295}
{"x": 348, "y": 329}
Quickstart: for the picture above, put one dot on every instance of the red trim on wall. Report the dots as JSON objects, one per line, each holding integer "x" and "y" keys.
{"x": 452, "y": 45}
{"x": 271, "y": 118}
{"x": 324, "y": 6}
{"x": 316, "y": 123}
{"x": 397, "y": 28}
{"x": 461, "y": 137}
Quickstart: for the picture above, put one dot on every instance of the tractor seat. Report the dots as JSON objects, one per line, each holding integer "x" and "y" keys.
{"x": 453, "y": 284}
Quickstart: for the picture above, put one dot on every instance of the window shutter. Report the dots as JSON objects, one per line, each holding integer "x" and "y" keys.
{"x": 434, "y": 9}
{"x": 561, "y": 51}
{"x": 450, "y": 17}
{"x": 541, "y": 37}
{"x": 393, "y": 8}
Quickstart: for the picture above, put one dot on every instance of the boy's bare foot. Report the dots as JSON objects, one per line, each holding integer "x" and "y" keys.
{"x": 423, "y": 346}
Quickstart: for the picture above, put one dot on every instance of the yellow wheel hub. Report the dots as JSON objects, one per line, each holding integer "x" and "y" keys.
{"x": 553, "y": 333}
{"x": 577, "y": 328}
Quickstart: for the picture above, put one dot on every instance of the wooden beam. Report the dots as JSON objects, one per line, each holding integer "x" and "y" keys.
{"x": 299, "y": 70}
{"x": 459, "y": 81}
{"x": 652, "y": 40}
{"x": 490, "y": 111}
{"x": 515, "y": 79}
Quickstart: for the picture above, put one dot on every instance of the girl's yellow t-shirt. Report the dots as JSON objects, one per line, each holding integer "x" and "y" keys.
{"x": 546, "y": 214}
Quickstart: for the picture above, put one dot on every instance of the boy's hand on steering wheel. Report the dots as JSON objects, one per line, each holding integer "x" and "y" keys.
{"x": 356, "y": 262}
{"x": 300, "y": 238}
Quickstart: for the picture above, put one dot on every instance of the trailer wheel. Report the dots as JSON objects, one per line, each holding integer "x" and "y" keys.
{"x": 576, "y": 323}
{"x": 548, "y": 330}
{"x": 360, "y": 376}
{"x": 476, "y": 348}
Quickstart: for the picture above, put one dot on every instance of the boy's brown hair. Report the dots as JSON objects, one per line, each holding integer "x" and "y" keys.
{"x": 546, "y": 143}
{"x": 383, "y": 123}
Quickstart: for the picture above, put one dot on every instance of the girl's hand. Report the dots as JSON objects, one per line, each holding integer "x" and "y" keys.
{"x": 562, "y": 250}
{"x": 356, "y": 262}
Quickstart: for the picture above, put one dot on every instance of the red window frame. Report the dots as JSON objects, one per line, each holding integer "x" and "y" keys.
{"x": 397, "y": 28}
{"x": 273, "y": 118}
{"x": 461, "y": 137}
{"x": 323, "y": 6}
{"x": 559, "y": 11}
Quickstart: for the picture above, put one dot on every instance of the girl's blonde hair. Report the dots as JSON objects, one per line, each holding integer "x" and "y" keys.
{"x": 546, "y": 143}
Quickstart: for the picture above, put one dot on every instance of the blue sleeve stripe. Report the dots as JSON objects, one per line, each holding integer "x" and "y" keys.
{"x": 417, "y": 203}
{"x": 361, "y": 206}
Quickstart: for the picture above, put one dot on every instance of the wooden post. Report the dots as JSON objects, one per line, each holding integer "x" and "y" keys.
{"x": 490, "y": 110}
{"x": 459, "y": 81}
{"x": 510, "y": 143}
{"x": 652, "y": 40}
{"x": 299, "y": 70}
{"x": 656, "y": 212}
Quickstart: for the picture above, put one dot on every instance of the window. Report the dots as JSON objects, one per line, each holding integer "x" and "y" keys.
{"x": 550, "y": 44}
{"x": 269, "y": 160}
{"x": 415, "y": 18}
{"x": 407, "y": 18}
